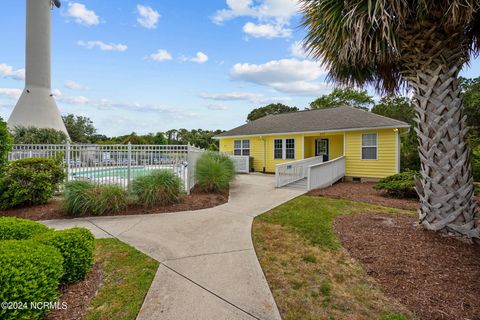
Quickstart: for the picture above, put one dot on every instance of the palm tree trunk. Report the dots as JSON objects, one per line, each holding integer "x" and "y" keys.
{"x": 432, "y": 60}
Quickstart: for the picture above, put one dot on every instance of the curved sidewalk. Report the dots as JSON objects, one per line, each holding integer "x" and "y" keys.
{"x": 209, "y": 269}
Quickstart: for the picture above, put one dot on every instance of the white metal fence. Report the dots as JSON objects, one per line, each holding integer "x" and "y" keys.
{"x": 291, "y": 172}
{"x": 116, "y": 164}
{"x": 325, "y": 174}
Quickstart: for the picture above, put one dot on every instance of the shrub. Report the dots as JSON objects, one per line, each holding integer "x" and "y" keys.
{"x": 83, "y": 197}
{"x": 77, "y": 248}
{"x": 160, "y": 187}
{"x": 19, "y": 229}
{"x": 30, "y": 272}
{"x": 30, "y": 182}
{"x": 5, "y": 144}
{"x": 401, "y": 185}
{"x": 214, "y": 172}
{"x": 32, "y": 135}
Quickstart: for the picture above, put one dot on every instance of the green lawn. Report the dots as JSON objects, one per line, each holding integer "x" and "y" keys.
{"x": 310, "y": 275}
{"x": 127, "y": 275}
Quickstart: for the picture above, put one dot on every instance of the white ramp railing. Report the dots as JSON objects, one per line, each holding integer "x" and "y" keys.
{"x": 325, "y": 174}
{"x": 242, "y": 163}
{"x": 291, "y": 172}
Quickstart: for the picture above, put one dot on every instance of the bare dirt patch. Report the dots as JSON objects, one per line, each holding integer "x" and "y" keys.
{"x": 53, "y": 210}
{"x": 77, "y": 296}
{"x": 436, "y": 277}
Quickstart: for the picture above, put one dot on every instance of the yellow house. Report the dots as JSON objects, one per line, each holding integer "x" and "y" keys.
{"x": 367, "y": 144}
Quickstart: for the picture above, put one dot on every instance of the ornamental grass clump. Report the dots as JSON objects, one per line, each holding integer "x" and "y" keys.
{"x": 400, "y": 185}
{"x": 214, "y": 172}
{"x": 85, "y": 198}
{"x": 160, "y": 187}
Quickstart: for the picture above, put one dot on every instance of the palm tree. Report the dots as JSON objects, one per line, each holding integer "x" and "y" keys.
{"x": 411, "y": 44}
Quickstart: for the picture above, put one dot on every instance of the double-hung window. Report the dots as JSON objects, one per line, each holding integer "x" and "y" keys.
{"x": 369, "y": 146}
{"x": 241, "y": 147}
{"x": 284, "y": 149}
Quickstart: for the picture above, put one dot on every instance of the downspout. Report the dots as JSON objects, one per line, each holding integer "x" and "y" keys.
{"x": 264, "y": 154}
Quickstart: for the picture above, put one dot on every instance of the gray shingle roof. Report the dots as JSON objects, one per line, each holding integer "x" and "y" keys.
{"x": 314, "y": 120}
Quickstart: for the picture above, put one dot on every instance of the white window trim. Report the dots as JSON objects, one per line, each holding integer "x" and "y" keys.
{"x": 284, "y": 148}
{"x": 241, "y": 146}
{"x": 362, "y": 146}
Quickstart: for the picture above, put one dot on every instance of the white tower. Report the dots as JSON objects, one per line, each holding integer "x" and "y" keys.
{"x": 36, "y": 107}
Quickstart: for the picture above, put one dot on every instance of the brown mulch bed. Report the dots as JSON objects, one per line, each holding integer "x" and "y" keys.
{"x": 364, "y": 192}
{"x": 436, "y": 277}
{"x": 77, "y": 297}
{"x": 195, "y": 201}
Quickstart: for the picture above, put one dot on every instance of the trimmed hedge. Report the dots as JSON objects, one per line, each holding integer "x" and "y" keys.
{"x": 30, "y": 182}
{"x": 159, "y": 187}
{"x": 77, "y": 247}
{"x": 400, "y": 185}
{"x": 30, "y": 272}
{"x": 214, "y": 172}
{"x": 19, "y": 229}
{"x": 83, "y": 197}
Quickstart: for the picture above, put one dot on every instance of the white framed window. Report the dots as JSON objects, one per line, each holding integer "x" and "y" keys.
{"x": 284, "y": 149}
{"x": 369, "y": 146}
{"x": 241, "y": 147}
{"x": 289, "y": 148}
{"x": 278, "y": 149}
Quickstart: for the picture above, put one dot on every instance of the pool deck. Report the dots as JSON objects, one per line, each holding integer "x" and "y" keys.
{"x": 208, "y": 265}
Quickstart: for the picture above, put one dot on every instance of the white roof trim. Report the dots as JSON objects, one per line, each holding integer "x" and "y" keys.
{"x": 308, "y": 132}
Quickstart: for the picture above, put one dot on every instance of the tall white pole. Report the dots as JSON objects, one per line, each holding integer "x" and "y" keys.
{"x": 36, "y": 106}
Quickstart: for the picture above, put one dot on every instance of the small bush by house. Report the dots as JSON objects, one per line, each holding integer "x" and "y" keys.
{"x": 19, "y": 229}
{"x": 401, "y": 185}
{"x": 83, "y": 198}
{"x": 30, "y": 182}
{"x": 160, "y": 187}
{"x": 77, "y": 248}
{"x": 30, "y": 272}
{"x": 214, "y": 172}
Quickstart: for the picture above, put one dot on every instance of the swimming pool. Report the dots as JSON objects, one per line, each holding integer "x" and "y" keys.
{"x": 119, "y": 175}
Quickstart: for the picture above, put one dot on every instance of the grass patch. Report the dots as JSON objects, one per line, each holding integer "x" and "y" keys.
{"x": 310, "y": 277}
{"x": 312, "y": 217}
{"x": 127, "y": 275}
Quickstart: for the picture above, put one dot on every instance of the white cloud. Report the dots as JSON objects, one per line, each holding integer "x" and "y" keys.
{"x": 74, "y": 100}
{"x": 272, "y": 16}
{"x": 161, "y": 55}
{"x": 11, "y": 93}
{"x": 242, "y": 96}
{"x": 286, "y": 75}
{"x": 103, "y": 46}
{"x": 280, "y": 10}
{"x": 200, "y": 58}
{"x": 82, "y": 15}
{"x": 297, "y": 50}
{"x": 57, "y": 93}
{"x": 73, "y": 85}
{"x": 216, "y": 107}
{"x": 268, "y": 31}
{"x": 147, "y": 17}
{"x": 7, "y": 71}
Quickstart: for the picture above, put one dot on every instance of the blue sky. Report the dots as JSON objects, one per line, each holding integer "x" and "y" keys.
{"x": 156, "y": 65}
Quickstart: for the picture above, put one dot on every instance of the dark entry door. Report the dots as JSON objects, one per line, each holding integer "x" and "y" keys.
{"x": 322, "y": 148}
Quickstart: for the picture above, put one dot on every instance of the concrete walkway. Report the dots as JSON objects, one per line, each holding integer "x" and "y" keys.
{"x": 209, "y": 269}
